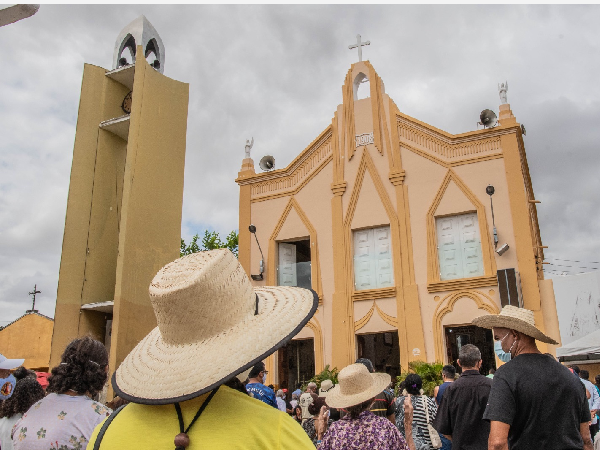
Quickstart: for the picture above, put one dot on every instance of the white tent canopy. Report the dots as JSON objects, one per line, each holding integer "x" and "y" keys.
{"x": 587, "y": 345}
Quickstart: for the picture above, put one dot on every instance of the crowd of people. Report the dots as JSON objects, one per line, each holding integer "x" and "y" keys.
{"x": 198, "y": 381}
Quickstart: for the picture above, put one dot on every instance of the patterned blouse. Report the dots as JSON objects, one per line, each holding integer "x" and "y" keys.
{"x": 58, "y": 422}
{"x": 367, "y": 431}
{"x": 420, "y": 431}
{"x": 309, "y": 427}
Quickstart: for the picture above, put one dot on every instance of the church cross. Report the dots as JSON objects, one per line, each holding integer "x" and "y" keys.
{"x": 359, "y": 45}
{"x": 35, "y": 291}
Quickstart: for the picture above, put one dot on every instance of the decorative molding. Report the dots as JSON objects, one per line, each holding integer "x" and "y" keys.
{"x": 364, "y": 139}
{"x": 397, "y": 177}
{"x": 315, "y": 326}
{"x": 315, "y": 272}
{"x": 339, "y": 188}
{"x": 380, "y": 128}
{"x": 348, "y": 128}
{"x": 446, "y": 305}
{"x": 434, "y": 283}
{"x": 372, "y": 294}
{"x": 390, "y": 320}
{"x": 462, "y": 283}
{"x": 450, "y": 164}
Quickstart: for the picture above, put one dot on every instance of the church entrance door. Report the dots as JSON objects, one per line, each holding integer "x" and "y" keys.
{"x": 457, "y": 336}
{"x": 382, "y": 349}
{"x": 296, "y": 364}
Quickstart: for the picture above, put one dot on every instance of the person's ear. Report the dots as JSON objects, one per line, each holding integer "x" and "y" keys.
{"x": 458, "y": 362}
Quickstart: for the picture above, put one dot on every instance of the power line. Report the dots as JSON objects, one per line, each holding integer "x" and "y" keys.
{"x": 578, "y": 267}
{"x": 574, "y": 260}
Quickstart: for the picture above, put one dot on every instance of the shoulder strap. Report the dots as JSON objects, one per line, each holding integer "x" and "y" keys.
{"x": 424, "y": 406}
{"x": 105, "y": 425}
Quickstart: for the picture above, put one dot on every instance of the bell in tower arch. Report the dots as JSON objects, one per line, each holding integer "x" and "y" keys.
{"x": 139, "y": 32}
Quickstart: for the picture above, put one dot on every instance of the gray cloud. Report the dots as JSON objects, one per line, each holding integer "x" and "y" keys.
{"x": 275, "y": 73}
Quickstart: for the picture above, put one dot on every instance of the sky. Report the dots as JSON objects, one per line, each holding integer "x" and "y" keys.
{"x": 275, "y": 73}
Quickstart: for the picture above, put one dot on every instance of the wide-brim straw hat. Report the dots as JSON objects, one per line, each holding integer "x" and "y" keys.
{"x": 355, "y": 386}
{"x": 519, "y": 319}
{"x": 326, "y": 386}
{"x": 212, "y": 325}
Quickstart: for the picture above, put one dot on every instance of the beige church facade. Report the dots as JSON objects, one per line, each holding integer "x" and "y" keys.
{"x": 388, "y": 219}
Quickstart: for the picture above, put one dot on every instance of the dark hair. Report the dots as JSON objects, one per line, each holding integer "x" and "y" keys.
{"x": 413, "y": 384}
{"x": 116, "y": 403}
{"x": 469, "y": 355}
{"x": 236, "y": 384}
{"x": 258, "y": 368}
{"x": 449, "y": 371}
{"x": 575, "y": 369}
{"x": 315, "y": 407}
{"x": 367, "y": 363}
{"x": 82, "y": 368}
{"x": 584, "y": 374}
{"x": 27, "y": 392}
{"x": 354, "y": 411}
{"x": 492, "y": 371}
{"x": 597, "y": 380}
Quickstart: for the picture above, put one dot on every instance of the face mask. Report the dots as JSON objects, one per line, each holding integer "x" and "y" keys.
{"x": 264, "y": 380}
{"x": 502, "y": 355}
{"x": 7, "y": 386}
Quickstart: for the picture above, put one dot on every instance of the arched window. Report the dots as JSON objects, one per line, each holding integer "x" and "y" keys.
{"x": 362, "y": 87}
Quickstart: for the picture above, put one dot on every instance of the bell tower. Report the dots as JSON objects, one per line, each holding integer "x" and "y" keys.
{"x": 123, "y": 220}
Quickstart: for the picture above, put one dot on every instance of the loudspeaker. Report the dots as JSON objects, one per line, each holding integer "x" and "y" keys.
{"x": 488, "y": 118}
{"x": 509, "y": 288}
{"x": 267, "y": 163}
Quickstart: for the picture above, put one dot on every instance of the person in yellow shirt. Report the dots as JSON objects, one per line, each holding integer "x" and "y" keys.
{"x": 212, "y": 325}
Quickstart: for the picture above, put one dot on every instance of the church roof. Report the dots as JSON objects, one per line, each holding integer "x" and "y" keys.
{"x": 27, "y": 314}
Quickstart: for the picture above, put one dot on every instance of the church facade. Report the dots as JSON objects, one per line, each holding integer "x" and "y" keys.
{"x": 406, "y": 233}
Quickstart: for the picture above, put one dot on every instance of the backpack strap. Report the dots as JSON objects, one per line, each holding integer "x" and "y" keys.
{"x": 423, "y": 397}
{"x": 105, "y": 425}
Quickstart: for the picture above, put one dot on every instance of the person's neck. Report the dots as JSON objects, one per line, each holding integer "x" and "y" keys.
{"x": 254, "y": 380}
{"x": 470, "y": 368}
{"x": 73, "y": 393}
{"x": 448, "y": 380}
{"x": 526, "y": 347}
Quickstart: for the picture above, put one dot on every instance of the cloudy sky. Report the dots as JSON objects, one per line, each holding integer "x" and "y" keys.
{"x": 275, "y": 73}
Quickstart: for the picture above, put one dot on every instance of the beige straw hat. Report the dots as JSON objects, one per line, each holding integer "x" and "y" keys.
{"x": 518, "y": 319}
{"x": 356, "y": 385}
{"x": 326, "y": 386}
{"x": 212, "y": 325}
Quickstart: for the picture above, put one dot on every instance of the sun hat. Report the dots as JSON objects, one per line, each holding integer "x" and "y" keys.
{"x": 7, "y": 364}
{"x": 326, "y": 386}
{"x": 212, "y": 325}
{"x": 356, "y": 385}
{"x": 519, "y": 319}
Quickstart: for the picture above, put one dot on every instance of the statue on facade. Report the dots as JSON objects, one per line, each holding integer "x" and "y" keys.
{"x": 502, "y": 89}
{"x": 249, "y": 145}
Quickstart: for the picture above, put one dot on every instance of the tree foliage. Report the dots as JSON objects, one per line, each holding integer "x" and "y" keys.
{"x": 431, "y": 374}
{"x": 210, "y": 241}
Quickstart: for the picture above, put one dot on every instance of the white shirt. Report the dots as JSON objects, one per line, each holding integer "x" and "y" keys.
{"x": 6, "y": 424}
{"x": 280, "y": 404}
{"x": 594, "y": 400}
{"x": 58, "y": 421}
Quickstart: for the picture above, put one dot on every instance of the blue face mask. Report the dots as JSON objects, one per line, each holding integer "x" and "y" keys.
{"x": 7, "y": 386}
{"x": 502, "y": 355}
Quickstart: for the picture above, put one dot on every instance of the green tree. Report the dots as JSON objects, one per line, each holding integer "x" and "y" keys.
{"x": 210, "y": 241}
{"x": 431, "y": 374}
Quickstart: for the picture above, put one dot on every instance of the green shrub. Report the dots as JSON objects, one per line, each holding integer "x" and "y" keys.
{"x": 431, "y": 374}
{"x": 325, "y": 374}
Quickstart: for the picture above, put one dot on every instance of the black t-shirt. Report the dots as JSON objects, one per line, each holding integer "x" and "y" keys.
{"x": 541, "y": 400}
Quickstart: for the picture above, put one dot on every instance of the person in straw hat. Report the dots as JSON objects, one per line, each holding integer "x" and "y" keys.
{"x": 211, "y": 327}
{"x": 360, "y": 428}
{"x": 535, "y": 402}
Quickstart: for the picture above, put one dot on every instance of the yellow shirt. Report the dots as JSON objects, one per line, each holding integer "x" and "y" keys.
{"x": 231, "y": 421}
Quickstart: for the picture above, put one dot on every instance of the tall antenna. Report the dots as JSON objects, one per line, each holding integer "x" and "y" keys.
{"x": 35, "y": 291}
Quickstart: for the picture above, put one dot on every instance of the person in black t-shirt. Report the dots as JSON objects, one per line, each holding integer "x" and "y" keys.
{"x": 383, "y": 405}
{"x": 535, "y": 402}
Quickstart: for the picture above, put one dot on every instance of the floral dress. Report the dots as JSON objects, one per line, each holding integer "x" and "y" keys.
{"x": 367, "y": 431}
{"x": 58, "y": 422}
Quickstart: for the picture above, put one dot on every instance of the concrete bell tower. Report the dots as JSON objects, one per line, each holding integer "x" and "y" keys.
{"x": 123, "y": 220}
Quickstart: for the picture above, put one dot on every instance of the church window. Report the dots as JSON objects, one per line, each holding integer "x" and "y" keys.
{"x": 373, "y": 267}
{"x": 294, "y": 267}
{"x": 459, "y": 246}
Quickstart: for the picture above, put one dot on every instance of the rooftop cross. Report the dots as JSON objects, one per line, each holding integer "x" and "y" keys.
{"x": 35, "y": 291}
{"x": 359, "y": 45}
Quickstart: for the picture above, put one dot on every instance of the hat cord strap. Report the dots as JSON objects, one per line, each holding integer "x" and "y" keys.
{"x": 182, "y": 440}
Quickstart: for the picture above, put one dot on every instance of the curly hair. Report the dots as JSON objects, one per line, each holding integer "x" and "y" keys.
{"x": 413, "y": 384}
{"x": 27, "y": 392}
{"x": 82, "y": 368}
